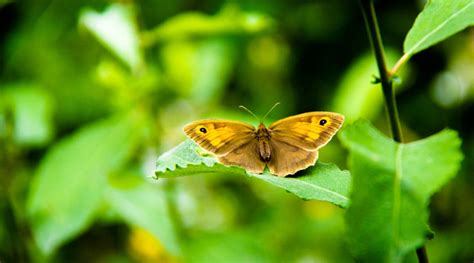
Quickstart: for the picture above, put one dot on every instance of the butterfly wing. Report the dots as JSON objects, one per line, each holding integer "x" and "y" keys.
{"x": 309, "y": 131}
{"x": 218, "y": 136}
{"x": 246, "y": 156}
{"x": 288, "y": 159}
{"x": 295, "y": 140}
{"x": 233, "y": 142}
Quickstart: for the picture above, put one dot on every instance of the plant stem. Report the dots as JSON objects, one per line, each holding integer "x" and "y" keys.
{"x": 385, "y": 78}
{"x": 387, "y": 85}
{"x": 421, "y": 254}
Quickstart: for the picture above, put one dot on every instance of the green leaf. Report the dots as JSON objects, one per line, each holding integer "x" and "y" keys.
{"x": 68, "y": 186}
{"x": 230, "y": 20}
{"x": 438, "y": 20}
{"x": 229, "y": 247}
{"x": 392, "y": 184}
{"x": 142, "y": 203}
{"x": 199, "y": 69}
{"x": 32, "y": 112}
{"x": 324, "y": 182}
{"x": 117, "y": 30}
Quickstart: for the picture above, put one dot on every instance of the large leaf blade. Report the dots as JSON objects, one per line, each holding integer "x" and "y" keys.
{"x": 401, "y": 177}
{"x": 68, "y": 186}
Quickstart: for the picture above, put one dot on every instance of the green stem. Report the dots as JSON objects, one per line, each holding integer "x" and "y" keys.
{"x": 387, "y": 85}
{"x": 385, "y": 78}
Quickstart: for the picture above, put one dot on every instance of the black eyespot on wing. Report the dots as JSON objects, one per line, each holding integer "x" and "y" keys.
{"x": 203, "y": 130}
{"x": 322, "y": 122}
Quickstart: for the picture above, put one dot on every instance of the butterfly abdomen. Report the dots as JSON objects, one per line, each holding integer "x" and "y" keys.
{"x": 264, "y": 149}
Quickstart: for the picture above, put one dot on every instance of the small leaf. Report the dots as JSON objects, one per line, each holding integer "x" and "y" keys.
{"x": 117, "y": 30}
{"x": 67, "y": 188}
{"x": 392, "y": 184}
{"x": 438, "y": 20}
{"x": 32, "y": 113}
{"x": 141, "y": 203}
{"x": 324, "y": 182}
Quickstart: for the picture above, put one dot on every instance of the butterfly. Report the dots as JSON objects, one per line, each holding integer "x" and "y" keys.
{"x": 286, "y": 146}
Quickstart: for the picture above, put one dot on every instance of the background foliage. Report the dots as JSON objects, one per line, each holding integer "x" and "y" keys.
{"x": 91, "y": 93}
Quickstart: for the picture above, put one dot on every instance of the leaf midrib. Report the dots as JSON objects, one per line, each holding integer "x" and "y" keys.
{"x": 397, "y": 197}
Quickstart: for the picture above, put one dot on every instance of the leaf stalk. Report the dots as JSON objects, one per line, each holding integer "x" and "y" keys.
{"x": 399, "y": 63}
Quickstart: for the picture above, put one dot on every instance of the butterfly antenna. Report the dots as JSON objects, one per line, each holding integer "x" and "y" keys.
{"x": 249, "y": 111}
{"x": 276, "y": 104}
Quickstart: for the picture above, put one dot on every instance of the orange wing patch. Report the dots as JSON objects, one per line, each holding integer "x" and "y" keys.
{"x": 219, "y": 137}
{"x": 309, "y": 131}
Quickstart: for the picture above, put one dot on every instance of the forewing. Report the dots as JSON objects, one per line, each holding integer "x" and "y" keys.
{"x": 288, "y": 159}
{"x": 245, "y": 156}
{"x": 219, "y": 136}
{"x": 309, "y": 131}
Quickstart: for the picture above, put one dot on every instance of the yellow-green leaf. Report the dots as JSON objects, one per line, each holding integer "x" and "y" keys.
{"x": 438, "y": 20}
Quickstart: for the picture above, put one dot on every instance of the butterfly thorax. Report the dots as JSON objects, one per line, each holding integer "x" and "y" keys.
{"x": 263, "y": 137}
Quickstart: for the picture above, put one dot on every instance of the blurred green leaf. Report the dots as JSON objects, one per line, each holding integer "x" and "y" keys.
{"x": 141, "y": 203}
{"x": 438, "y": 20}
{"x": 32, "y": 113}
{"x": 356, "y": 97}
{"x": 391, "y": 188}
{"x": 230, "y": 20}
{"x": 199, "y": 69}
{"x": 228, "y": 247}
{"x": 324, "y": 182}
{"x": 117, "y": 30}
{"x": 69, "y": 183}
